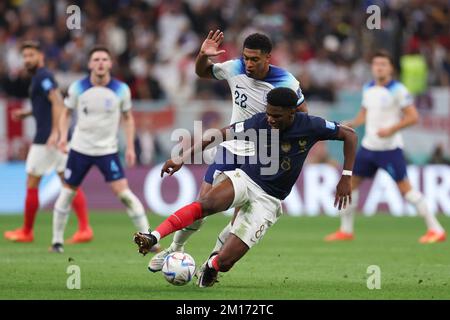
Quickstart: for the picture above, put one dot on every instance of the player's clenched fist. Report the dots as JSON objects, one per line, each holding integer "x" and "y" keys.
{"x": 170, "y": 167}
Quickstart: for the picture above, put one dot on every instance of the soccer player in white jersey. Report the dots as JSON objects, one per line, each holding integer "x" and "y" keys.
{"x": 387, "y": 108}
{"x": 100, "y": 102}
{"x": 250, "y": 78}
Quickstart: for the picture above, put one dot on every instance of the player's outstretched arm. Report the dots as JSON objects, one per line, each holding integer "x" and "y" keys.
{"x": 410, "y": 117}
{"x": 209, "y": 48}
{"x": 344, "y": 187}
{"x": 173, "y": 165}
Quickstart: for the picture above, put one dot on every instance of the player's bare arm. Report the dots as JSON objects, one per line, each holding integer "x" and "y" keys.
{"x": 344, "y": 187}
{"x": 128, "y": 122}
{"x": 410, "y": 117}
{"x": 173, "y": 165}
{"x": 56, "y": 100}
{"x": 64, "y": 120}
{"x": 358, "y": 121}
{"x": 209, "y": 48}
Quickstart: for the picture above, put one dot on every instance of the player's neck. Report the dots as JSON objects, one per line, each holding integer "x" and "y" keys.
{"x": 100, "y": 81}
{"x": 264, "y": 73}
{"x": 383, "y": 82}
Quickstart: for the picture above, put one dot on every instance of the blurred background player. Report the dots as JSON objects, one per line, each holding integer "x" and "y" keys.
{"x": 387, "y": 107}
{"x": 250, "y": 78}
{"x": 100, "y": 101}
{"x": 258, "y": 195}
{"x": 43, "y": 156}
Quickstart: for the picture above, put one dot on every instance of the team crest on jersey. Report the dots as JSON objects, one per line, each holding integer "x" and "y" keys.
{"x": 285, "y": 146}
{"x": 108, "y": 103}
{"x": 302, "y": 144}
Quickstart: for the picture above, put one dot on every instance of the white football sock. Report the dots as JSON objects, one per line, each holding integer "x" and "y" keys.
{"x": 348, "y": 214}
{"x": 181, "y": 236}
{"x": 419, "y": 202}
{"x": 61, "y": 213}
{"x": 223, "y": 235}
{"x": 135, "y": 210}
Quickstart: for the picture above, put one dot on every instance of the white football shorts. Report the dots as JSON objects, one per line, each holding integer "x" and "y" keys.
{"x": 258, "y": 210}
{"x": 42, "y": 160}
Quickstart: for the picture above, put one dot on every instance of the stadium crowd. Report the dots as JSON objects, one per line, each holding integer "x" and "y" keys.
{"x": 326, "y": 44}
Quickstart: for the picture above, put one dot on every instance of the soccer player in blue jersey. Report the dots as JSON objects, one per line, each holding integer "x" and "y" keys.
{"x": 387, "y": 108}
{"x": 100, "y": 102}
{"x": 43, "y": 156}
{"x": 287, "y": 136}
{"x": 250, "y": 78}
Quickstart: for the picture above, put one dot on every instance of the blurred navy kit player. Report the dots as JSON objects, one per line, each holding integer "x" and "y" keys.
{"x": 100, "y": 102}
{"x": 43, "y": 156}
{"x": 250, "y": 78}
{"x": 258, "y": 195}
{"x": 387, "y": 108}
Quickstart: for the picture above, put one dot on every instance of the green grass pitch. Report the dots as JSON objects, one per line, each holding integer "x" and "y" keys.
{"x": 291, "y": 262}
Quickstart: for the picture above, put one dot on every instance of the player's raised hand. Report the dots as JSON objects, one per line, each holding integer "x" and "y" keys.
{"x": 170, "y": 167}
{"x": 130, "y": 157}
{"x": 343, "y": 193}
{"x": 210, "y": 46}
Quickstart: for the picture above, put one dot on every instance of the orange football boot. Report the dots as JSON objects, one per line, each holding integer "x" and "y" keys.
{"x": 432, "y": 236}
{"x": 19, "y": 235}
{"x": 81, "y": 236}
{"x": 339, "y": 236}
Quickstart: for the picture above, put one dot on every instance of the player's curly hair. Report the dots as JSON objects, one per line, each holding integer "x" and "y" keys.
{"x": 258, "y": 41}
{"x": 282, "y": 97}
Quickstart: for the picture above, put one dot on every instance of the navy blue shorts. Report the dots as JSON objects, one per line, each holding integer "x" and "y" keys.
{"x": 78, "y": 165}
{"x": 367, "y": 163}
{"x": 224, "y": 161}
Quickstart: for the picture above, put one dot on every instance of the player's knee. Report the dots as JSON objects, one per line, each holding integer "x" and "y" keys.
{"x": 209, "y": 205}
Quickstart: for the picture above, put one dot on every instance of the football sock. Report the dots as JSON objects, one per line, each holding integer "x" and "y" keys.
{"x": 181, "y": 236}
{"x": 223, "y": 235}
{"x": 61, "y": 213}
{"x": 79, "y": 205}
{"x": 419, "y": 202}
{"x": 31, "y": 208}
{"x": 348, "y": 214}
{"x": 180, "y": 219}
{"x": 214, "y": 263}
{"x": 135, "y": 210}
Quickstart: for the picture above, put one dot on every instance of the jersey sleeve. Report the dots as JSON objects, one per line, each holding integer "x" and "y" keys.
{"x": 72, "y": 96}
{"x": 324, "y": 129}
{"x": 227, "y": 69}
{"x": 405, "y": 98}
{"x": 126, "y": 98}
{"x": 48, "y": 83}
{"x": 294, "y": 84}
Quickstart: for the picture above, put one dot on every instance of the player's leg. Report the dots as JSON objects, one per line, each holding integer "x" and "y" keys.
{"x": 25, "y": 233}
{"x": 78, "y": 165}
{"x": 435, "y": 231}
{"x": 79, "y": 205}
{"x": 218, "y": 199}
{"x": 365, "y": 167}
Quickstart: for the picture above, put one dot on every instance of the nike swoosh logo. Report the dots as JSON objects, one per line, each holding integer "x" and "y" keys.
{"x": 238, "y": 87}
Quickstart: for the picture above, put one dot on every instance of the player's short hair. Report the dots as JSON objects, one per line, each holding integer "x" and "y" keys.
{"x": 258, "y": 41}
{"x": 282, "y": 97}
{"x": 99, "y": 47}
{"x": 30, "y": 44}
{"x": 382, "y": 54}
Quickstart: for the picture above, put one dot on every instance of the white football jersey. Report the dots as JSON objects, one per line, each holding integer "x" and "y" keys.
{"x": 249, "y": 95}
{"x": 384, "y": 106}
{"x": 98, "y": 115}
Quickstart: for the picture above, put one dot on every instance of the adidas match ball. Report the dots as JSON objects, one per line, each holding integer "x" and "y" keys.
{"x": 178, "y": 268}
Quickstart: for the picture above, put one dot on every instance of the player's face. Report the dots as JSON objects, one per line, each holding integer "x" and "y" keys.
{"x": 256, "y": 63}
{"x": 100, "y": 63}
{"x": 381, "y": 68}
{"x": 279, "y": 117}
{"x": 31, "y": 58}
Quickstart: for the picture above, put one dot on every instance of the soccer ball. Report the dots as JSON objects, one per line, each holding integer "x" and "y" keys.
{"x": 178, "y": 268}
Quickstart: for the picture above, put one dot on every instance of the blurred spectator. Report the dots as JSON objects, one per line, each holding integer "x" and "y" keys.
{"x": 438, "y": 157}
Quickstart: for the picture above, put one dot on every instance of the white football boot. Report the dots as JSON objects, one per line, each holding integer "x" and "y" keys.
{"x": 156, "y": 263}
